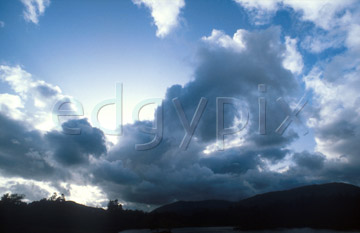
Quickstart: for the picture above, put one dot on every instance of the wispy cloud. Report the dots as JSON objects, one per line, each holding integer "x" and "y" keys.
{"x": 333, "y": 20}
{"x": 2, "y": 24}
{"x": 34, "y": 9}
{"x": 164, "y": 13}
{"x": 321, "y": 12}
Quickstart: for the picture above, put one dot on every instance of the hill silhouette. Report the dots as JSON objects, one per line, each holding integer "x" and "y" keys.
{"x": 327, "y": 206}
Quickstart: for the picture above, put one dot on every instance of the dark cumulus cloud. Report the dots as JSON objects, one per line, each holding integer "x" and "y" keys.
{"x": 22, "y": 151}
{"x": 76, "y": 149}
{"x": 166, "y": 173}
{"x": 310, "y": 161}
{"x": 28, "y": 153}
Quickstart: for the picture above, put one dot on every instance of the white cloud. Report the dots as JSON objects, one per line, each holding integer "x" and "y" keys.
{"x": 352, "y": 40}
{"x": 334, "y": 18}
{"x": 293, "y": 59}
{"x": 18, "y": 79}
{"x": 35, "y": 97}
{"x": 320, "y": 12}
{"x": 259, "y": 4}
{"x": 2, "y": 24}
{"x": 260, "y": 10}
{"x": 34, "y": 9}
{"x": 23, "y": 84}
{"x": 219, "y": 38}
{"x": 164, "y": 13}
{"x": 316, "y": 43}
{"x": 336, "y": 115}
{"x": 11, "y": 105}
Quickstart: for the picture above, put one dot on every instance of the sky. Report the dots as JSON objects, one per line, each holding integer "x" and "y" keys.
{"x": 234, "y": 98}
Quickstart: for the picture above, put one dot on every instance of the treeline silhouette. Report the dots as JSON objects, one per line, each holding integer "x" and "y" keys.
{"x": 328, "y": 206}
{"x": 55, "y": 214}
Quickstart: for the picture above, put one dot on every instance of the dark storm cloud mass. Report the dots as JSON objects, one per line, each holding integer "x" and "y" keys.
{"x": 76, "y": 149}
{"x": 22, "y": 151}
{"x": 226, "y": 73}
{"x": 309, "y": 161}
{"x": 30, "y": 154}
{"x": 229, "y": 162}
{"x": 166, "y": 173}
